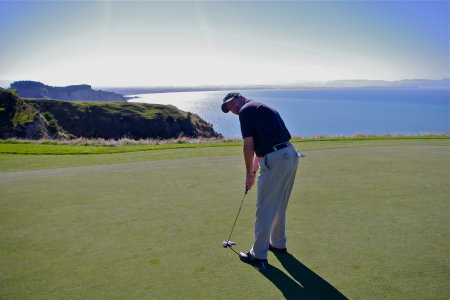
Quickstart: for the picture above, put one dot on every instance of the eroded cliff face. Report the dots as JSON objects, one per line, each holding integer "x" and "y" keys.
{"x": 109, "y": 120}
{"x": 19, "y": 119}
{"x": 82, "y": 92}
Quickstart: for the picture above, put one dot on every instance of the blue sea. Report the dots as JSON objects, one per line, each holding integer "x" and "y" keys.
{"x": 310, "y": 112}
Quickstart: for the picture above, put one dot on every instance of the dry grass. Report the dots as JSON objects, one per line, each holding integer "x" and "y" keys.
{"x": 186, "y": 140}
{"x": 114, "y": 143}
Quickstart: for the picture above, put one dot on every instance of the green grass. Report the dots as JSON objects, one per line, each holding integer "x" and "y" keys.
{"x": 54, "y": 148}
{"x": 367, "y": 218}
{"x": 23, "y": 118}
{"x": 34, "y": 156}
{"x": 43, "y": 149}
{"x": 109, "y": 108}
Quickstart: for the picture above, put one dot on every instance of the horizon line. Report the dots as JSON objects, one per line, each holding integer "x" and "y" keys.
{"x": 294, "y": 83}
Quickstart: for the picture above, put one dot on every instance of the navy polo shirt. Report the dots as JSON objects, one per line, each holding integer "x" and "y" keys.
{"x": 264, "y": 124}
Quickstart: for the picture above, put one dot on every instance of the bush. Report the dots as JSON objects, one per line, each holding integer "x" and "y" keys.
{"x": 53, "y": 126}
{"x": 48, "y": 116}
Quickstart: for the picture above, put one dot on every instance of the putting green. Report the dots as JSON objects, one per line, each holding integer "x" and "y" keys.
{"x": 366, "y": 223}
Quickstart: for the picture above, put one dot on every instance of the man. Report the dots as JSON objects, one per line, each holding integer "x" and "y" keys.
{"x": 266, "y": 146}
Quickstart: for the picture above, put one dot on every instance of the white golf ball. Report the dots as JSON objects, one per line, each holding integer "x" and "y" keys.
{"x": 224, "y": 244}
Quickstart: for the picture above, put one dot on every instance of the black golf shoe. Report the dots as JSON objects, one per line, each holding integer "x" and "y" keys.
{"x": 250, "y": 259}
{"x": 277, "y": 250}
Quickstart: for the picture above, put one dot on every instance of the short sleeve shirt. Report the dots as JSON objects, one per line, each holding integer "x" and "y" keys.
{"x": 264, "y": 124}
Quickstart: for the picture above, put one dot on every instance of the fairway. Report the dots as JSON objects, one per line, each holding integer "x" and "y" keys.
{"x": 366, "y": 220}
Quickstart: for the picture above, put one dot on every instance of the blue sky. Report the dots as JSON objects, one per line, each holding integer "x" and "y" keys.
{"x": 123, "y": 43}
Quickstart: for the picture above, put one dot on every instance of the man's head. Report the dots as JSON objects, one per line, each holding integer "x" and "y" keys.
{"x": 233, "y": 102}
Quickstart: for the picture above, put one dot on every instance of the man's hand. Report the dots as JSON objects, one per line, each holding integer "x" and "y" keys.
{"x": 249, "y": 180}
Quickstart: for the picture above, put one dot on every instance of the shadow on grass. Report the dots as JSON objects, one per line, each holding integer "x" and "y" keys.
{"x": 307, "y": 284}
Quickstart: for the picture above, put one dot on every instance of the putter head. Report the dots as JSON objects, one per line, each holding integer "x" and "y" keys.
{"x": 226, "y": 244}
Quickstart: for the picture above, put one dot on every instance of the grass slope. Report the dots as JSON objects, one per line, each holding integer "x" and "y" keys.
{"x": 366, "y": 219}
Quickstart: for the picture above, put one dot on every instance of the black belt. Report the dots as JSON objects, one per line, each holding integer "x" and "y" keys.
{"x": 278, "y": 147}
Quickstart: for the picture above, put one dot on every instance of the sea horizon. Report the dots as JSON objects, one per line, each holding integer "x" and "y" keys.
{"x": 331, "y": 112}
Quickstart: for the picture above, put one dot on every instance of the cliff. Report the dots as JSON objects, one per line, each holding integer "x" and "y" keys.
{"x": 20, "y": 119}
{"x": 82, "y": 92}
{"x": 109, "y": 120}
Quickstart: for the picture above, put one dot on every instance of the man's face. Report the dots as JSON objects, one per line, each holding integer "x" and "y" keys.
{"x": 233, "y": 106}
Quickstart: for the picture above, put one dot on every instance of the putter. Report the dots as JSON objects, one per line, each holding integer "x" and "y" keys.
{"x": 229, "y": 243}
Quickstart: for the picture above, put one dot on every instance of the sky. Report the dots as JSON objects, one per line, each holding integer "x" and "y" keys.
{"x": 190, "y": 43}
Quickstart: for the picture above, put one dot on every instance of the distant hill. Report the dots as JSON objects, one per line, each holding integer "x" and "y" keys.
{"x": 82, "y": 92}
{"x": 405, "y": 83}
{"x": 358, "y": 83}
{"x": 39, "y": 118}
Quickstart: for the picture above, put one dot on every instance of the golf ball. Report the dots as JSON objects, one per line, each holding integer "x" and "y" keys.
{"x": 224, "y": 244}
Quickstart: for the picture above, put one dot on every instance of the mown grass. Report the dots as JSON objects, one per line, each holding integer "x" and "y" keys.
{"x": 16, "y": 146}
{"x": 42, "y": 149}
{"x": 17, "y": 162}
{"x": 368, "y": 219}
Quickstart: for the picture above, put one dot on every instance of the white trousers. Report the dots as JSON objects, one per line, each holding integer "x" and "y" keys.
{"x": 275, "y": 181}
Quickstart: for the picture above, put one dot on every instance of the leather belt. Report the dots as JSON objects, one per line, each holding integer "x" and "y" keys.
{"x": 278, "y": 147}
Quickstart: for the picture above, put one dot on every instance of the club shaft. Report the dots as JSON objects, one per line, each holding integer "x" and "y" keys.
{"x": 234, "y": 251}
{"x": 232, "y": 228}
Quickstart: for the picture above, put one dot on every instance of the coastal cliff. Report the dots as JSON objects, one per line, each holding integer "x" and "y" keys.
{"x": 82, "y": 92}
{"x": 38, "y": 118}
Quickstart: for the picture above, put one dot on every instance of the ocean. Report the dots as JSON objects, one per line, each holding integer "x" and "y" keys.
{"x": 331, "y": 112}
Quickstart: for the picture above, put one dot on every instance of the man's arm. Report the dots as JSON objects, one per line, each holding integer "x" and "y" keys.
{"x": 249, "y": 153}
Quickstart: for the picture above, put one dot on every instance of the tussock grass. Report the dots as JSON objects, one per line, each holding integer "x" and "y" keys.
{"x": 111, "y": 142}
{"x": 201, "y": 140}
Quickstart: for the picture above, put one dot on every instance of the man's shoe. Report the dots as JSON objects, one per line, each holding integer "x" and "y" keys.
{"x": 277, "y": 250}
{"x": 250, "y": 259}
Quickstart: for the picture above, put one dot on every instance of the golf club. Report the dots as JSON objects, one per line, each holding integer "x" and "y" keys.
{"x": 229, "y": 243}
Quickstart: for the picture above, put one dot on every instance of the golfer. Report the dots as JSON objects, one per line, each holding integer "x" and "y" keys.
{"x": 266, "y": 147}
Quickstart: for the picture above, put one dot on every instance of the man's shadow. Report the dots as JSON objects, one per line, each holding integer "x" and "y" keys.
{"x": 307, "y": 284}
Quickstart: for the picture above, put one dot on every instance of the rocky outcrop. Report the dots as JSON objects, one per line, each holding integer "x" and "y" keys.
{"x": 109, "y": 120}
{"x": 82, "y": 92}
{"x": 19, "y": 119}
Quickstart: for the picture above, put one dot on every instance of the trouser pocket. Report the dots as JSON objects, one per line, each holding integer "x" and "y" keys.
{"x": 263, "y": 164}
